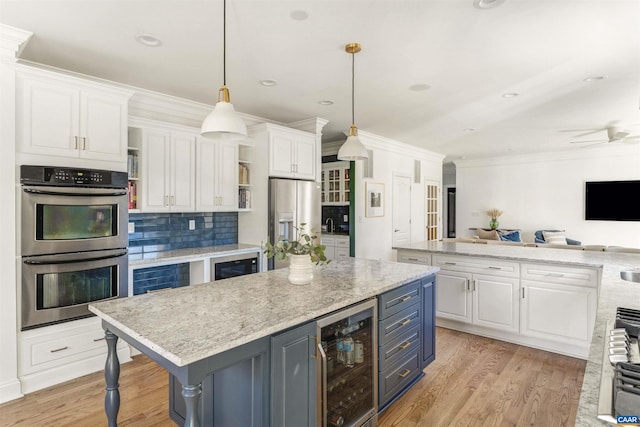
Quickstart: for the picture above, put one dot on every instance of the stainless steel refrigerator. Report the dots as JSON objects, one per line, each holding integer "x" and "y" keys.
{"x": 292, "y": 203}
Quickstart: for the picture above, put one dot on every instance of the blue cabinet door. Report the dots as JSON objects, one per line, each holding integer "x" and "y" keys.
{"x": 428, "y": 320}
{"x": 293, "y": 377}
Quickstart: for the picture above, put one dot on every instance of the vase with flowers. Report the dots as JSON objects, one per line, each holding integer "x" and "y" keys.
{"x": 494, "y": 214}
{"x": 302, "y": 252}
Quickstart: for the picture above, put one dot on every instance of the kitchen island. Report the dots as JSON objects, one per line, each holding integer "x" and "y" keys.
{"x": 197, "y": 330}
{"x": 612, "y": 293}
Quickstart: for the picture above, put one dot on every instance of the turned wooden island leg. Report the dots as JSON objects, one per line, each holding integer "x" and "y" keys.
{"x": 111, "y": 376}
{"x": 191, "y": 394}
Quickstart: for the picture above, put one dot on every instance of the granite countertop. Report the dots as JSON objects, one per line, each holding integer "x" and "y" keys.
{"x": 613, "y": 292}
{"x": 191, "y": 323}
{"x": 191, "y": 254}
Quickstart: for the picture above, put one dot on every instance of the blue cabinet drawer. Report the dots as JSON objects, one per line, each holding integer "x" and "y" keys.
{"x": 396, "y": 349}
{"x": 398, "y": 324}
{"x": 397, "y": 300}
{"x": 394, "y": 379}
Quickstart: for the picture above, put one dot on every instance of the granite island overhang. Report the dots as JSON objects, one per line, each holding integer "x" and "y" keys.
{"x": 613, "y": 292}
{"x": 193, "y": 331}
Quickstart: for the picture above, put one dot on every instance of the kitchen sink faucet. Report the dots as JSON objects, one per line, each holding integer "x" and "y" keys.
{"x": 330, "y": 229}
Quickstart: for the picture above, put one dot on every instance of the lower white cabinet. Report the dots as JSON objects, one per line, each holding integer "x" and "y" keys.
{"x": 58, "y": 353}
{"x": 559, "y": 303}
{"x": 547, "y": 306}
{"x": 478, "y": 299}
{"x": 336, "y": 246}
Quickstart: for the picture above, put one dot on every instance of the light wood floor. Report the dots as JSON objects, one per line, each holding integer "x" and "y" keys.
{"x": 474, "y": 381}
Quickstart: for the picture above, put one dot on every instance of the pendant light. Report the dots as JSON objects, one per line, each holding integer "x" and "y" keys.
{"x": 223, "y": 122}
{"x": 352, "y": 149}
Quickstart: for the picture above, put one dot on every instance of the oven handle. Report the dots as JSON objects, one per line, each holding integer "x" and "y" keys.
{"x": 63, "y": 193}
{"x": 69, "y": 261}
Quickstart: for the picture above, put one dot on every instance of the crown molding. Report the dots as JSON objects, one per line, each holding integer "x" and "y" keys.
{"x": 378, "y": 142}
{"x": 12, "y": 42}
{"x": 621, "y": 150}
{"x": 312, "y": 125}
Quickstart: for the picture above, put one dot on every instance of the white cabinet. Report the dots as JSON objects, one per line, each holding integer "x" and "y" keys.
{"x": 414, "y": 257}
{"x": 57, "y": 353}
{"x": 480, "y": 292}
{"x": 335, "y": 183}
{"x": 168, "y": 171}
{"x": 68, "y": 117}
{"x": 292, "y": 154}
{"x": 336, "y": 246}
{"x": 217, "y": 175}
{"x": 558, "y": 303}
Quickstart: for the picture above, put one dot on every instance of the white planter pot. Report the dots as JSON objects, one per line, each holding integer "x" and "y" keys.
{"x": 300, "y": 269}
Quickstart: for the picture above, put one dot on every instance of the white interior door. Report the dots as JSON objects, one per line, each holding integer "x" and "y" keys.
{"x": 401, "y": 210}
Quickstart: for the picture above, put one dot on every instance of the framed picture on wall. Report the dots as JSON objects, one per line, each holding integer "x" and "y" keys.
{"x": 374, "y": 199}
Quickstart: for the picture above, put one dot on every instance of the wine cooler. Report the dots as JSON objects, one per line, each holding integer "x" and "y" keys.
{"x": 347, "y": 372}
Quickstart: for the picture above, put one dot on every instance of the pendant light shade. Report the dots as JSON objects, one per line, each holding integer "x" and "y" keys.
{"x": 353, "y": 149}
{"x": 223, "y": 122}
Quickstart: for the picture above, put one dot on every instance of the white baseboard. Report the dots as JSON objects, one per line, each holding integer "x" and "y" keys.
{"x": 49, "y": 377}
{"x": 10, "y": 390}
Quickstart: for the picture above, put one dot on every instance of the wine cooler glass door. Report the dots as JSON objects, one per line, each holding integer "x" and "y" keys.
{"x": 348, "y": 368}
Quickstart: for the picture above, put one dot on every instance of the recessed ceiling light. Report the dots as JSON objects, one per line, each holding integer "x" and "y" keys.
{"x": 325, "y": 102}
{"x": 593, "y": 79}
{"x": 148, "y": 40}
{"x": 487, "y": 4}
{"x": 419, "y": 87}
{"x": 469, "y": 129}
{"x": 299, "y": 15}
{"x": 510, "y": 95}
{"x": 268, "y": 82}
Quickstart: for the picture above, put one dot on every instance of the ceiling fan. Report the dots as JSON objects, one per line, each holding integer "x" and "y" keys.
{"x": 614, "y": 134}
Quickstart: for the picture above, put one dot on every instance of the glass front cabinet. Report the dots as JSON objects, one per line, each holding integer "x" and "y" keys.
{"x": 335, "y": 183}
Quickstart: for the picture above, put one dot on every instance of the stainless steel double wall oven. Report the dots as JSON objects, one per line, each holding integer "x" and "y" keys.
{"x": 73, "y": 241}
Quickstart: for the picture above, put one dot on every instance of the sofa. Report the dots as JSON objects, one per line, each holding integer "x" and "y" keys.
{"x": 539, "y": 237}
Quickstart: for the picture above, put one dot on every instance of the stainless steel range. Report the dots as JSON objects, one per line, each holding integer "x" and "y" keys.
{"x": 620, "y": 382}
{"x": 73, "y": 241}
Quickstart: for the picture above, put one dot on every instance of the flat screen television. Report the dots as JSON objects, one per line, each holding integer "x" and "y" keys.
{"x": 612, "y": 201}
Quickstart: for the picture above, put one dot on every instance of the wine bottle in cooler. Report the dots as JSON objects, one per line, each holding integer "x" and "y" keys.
{"x": 349, "y": 355}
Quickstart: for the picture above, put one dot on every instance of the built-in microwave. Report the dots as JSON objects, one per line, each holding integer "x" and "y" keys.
{"x": 234, "y": 265}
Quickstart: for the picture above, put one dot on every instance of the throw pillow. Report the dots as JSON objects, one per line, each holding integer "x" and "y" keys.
{"x": 488, "y": 235}
{"x": 511, "y": 236}
{"x": 555, "y": 238}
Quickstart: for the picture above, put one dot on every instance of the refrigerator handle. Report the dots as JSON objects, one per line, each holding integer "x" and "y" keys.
{"x": 323, "y": 393}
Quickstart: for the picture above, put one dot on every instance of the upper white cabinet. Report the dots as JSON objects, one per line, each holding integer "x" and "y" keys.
{"x": 69, "y": 117}
{"x": 167, "y": 170}
{"x": 217, "y": 175}
{"x": 292, "y": 154}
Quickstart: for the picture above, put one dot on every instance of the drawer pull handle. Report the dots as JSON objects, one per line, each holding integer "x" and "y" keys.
{"x": 412, "y": 259}
{"x": 59, "y": 349}
{"x": 407, "y": 298}
{"x": 555, "y": 275}
{"x": 450, "y": 263}
{"x": 405, "y": 345}
{"x": 405, "y": 322}
{"x": 98, "y": 339}
{"x": 494, "y": 268}
{"x": 404, "y": 373}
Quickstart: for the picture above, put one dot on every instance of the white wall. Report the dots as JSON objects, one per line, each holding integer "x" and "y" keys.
{"x": 546, "y": 191}
{"x": 374, "y": 235}
{"x": 10, "y": 40}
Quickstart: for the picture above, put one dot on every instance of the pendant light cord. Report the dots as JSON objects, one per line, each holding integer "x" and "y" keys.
{"x": 224, "y": 43}
{"x": 353, "y": 90}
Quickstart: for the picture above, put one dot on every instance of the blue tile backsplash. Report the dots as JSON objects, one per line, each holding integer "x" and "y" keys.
{"x": 157, "y": 232}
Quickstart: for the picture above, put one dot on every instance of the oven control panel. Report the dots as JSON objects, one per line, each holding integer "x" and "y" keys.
{"x": 61, "y": 176}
